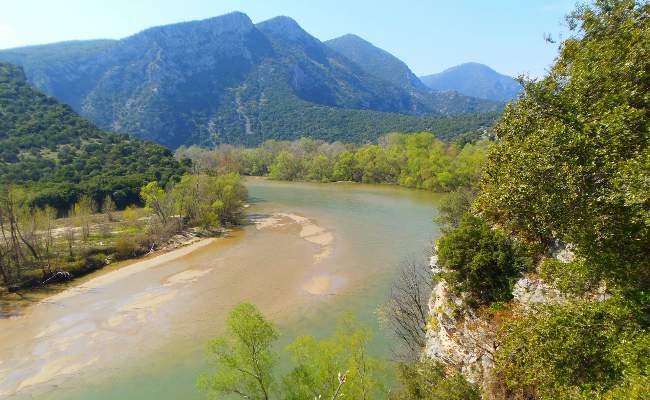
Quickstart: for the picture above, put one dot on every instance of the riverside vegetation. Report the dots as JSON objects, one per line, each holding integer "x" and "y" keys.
{"x": 55, "y": 164}
{"x": 569, "y": 166}
{"x": 412, "y": 160}
{"x": 36, "y": 247}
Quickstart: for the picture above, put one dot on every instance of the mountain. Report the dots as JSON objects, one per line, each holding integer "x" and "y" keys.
{"x": 376, "y": 61}
{"x": 47, "y": 147}
{"x": 476, "y": 80}
{"x": 227, "y": 80}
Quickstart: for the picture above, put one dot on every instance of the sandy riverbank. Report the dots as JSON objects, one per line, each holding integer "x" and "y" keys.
{"x": 141, "y": 306}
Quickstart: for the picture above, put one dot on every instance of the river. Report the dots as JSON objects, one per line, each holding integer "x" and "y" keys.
{"x": 308, "y": 253}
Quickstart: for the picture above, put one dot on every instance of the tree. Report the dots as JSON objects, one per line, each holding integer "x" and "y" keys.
{"x": 286, "y": 167}
{"x": 572, "y": 159}
{"x": 581, "y": 349}
{"x": 336, "y": 367}
{"x": 407, "y": 310}
{"x": 242, "y": 357}
{"x": 81, "y": 212}
{"x": 481, "y": 262}
{"x": 157, "y": 200}
{"x": 453, "y": 208}
{"x": 346, "y": 168}
{"x": 108, "y": 208}
{"x": 319, "y": 169}
{"x": 428, "y": 380}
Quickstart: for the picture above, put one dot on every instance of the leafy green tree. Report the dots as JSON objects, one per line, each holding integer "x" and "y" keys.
{"x": 286, "y": 167}
{"x": 453, "y": 208}
{"x": 157, "y": 200}
{"x": 243, "y": 358}
{"x": 319, "y": 169}
{"x": 578, "y": 350}
{"x": 375, "y": 165}
{"x": 573, "y": 157}
{"x": 337, "y": 367}
{"x": 346, "y": 168}
{"x": 481, "y": 262}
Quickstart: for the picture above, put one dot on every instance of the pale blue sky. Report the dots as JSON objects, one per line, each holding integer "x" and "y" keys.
{"x": 429, "y": 35}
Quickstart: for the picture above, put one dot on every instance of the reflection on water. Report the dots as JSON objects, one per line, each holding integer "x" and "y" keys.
{"x": 310, "y": 253}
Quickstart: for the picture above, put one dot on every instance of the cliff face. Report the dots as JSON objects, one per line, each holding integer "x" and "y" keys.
{"x": 457, "y": 337}
{"x": 463, "y": 339}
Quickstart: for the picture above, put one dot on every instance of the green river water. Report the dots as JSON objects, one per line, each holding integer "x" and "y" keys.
{"x": 159, "y": 354}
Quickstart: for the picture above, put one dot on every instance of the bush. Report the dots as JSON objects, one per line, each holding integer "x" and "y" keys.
{"x": 482, "y": 263}
{"x": 427, "y": 380}
{"x": 576, "y": 350}
{"x": 128, "y": 247}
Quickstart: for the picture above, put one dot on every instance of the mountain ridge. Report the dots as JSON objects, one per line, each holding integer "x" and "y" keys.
{"x": 225, "y": 80}
{"x": 476, "y": 80}
{"x": 376, "y": 60}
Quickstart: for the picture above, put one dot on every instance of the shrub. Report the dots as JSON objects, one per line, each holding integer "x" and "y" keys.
{"x": 428, "y": 380}
{"x": 482, "y": 262}
{"x": 576, "y": 350}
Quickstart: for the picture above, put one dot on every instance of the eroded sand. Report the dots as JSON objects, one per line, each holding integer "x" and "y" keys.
{"x": 309, "y": 231}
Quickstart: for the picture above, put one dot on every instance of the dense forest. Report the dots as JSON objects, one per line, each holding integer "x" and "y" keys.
{"x": 58, "y": 156}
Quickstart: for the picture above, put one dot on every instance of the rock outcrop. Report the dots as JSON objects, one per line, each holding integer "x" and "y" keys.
{"x": 464, "y": 340}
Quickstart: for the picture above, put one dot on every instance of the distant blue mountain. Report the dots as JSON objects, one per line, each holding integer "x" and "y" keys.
{"x": 376, "y": 61}
{"x": 476, "y": 80}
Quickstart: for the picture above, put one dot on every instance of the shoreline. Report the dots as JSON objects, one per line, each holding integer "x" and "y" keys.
{"x": 180, "y": 241}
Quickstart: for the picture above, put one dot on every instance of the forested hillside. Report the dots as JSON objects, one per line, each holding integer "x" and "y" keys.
{"x": 58, "y": 155}
{"x": 227, "y": 80}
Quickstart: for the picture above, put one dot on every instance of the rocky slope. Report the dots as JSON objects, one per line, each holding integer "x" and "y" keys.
{"x": 225, "y": 79}
{"x": 376, "y": 61}
{"x": 466, "y": 340}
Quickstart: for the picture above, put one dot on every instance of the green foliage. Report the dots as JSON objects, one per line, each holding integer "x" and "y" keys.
{"x": 573, "y": 161}
{"x": 320, "y": 366}
{"x": 285, "y": 167}
{"x": 59, "y": 156}
{"x": 243, "y": 358}
{"x": 482, "y": 263}
{"x": 578, "y": 350}
{"x": 574, "y": 278}
{"x": 332, "y": 368}
{"x": 428, "y": 380}
{"x": 208, "y": 201}
{"x": 413, "y": 160}
{"x": 157, "y": 201}
{"x": 454, "y": 207}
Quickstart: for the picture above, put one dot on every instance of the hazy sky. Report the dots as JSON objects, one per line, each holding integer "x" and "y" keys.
{"x": 429, "y": 36}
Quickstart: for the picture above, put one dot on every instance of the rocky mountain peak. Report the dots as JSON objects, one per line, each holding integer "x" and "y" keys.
{"x": 284, "y": 27}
